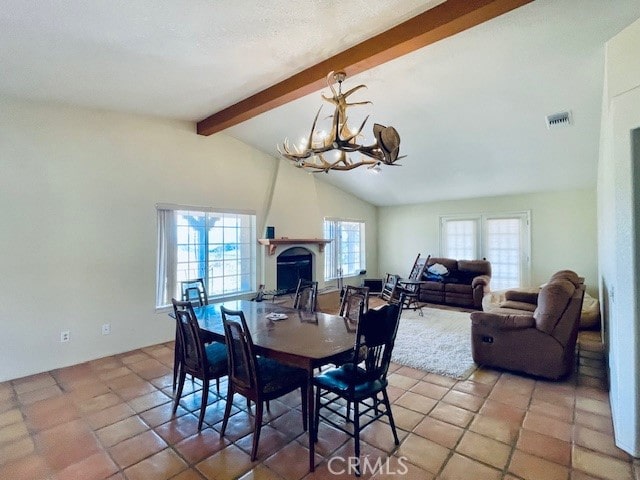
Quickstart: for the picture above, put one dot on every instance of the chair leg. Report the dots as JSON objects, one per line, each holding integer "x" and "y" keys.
{"x": 356, "y": 435}
{"x": 227, "y": 409}
{"x": 203, "y": 404}
{"x": 218, "y": 386}
{"x": 176, "y": 360}
{"x": 256, "y": 430}
{"x": 305, "y": 408}
{"x": 316, "y": 416}
{"x": 181, "y": 378}
{"x": 387, "y": 405}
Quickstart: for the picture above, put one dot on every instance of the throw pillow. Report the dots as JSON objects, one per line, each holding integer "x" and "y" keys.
{"x": 438, "y": 269}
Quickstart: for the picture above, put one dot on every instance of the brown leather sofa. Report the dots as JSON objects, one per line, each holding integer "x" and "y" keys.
{"x": 541, "y": 342}
{"x": 466, "y": 282}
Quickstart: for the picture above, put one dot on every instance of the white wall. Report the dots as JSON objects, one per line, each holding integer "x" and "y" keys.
{"x": 563, "y": 231}
{"x": 618, "y": 217}
{"x": 78, "y": 190}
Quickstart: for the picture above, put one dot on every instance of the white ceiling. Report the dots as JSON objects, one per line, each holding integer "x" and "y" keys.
{"x": 470, "y": 109}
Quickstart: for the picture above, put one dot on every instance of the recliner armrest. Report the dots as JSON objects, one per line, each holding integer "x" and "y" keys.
{"x": 521, "y": 296}
{"x": 503, "y": 321}
{"x": 480, "y": 280}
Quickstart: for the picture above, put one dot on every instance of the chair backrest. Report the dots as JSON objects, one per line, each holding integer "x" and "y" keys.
{"x": 194, "y": 358}
{"x": 242, "y": 361}
{"x": 351, "y": 300}
{"x": 352, "y": 313}
{"x": 306, "y": 296}
{"x": 194, "y": 291}
{"x": 419, "y": 266}
{"x": 388, "y": 292}
{"x": 376, "y": 335}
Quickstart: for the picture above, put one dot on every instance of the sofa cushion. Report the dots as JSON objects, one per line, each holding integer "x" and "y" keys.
{"x": 462, "y": 277}
{"x": 458, "y": 288}
{"x": 478, "y": 267}
{"x": 436, "y": 286}
{"x": 447, "y": 262}
{"x": 552, "y": 301}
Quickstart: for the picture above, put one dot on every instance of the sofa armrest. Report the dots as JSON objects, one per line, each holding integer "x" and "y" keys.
{"x": 503, "y": 321}
{"x": 482, "y": 280}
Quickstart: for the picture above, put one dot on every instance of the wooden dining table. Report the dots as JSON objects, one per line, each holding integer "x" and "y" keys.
{"x": 302, "y": 339}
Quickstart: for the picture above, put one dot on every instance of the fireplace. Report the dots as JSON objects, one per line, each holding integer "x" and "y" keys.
{"x": 293, "y": 264}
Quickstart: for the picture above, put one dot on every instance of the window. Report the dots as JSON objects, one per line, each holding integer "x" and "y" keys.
{"x": 501, "y": 239}
{"x": 193, "y": 243}
{"x": 461, "y": 239}
{"x": 503, "y": 250}
{"x": 346, "y": 253}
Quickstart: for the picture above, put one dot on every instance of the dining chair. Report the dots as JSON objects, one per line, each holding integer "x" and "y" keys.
{"x": 389, "y": 288}
{"x": 306, "y": 296}
{"x": 258, "y": 379}
{"x": 200, "y": 360}
{"x": 354, "y": 303}
{"x": 350, "y": 300}
{"x": 194, "y": 292}
{"x": 361, "y": 382}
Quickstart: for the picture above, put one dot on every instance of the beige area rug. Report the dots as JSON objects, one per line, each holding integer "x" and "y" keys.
{"x": 438, "y": 342}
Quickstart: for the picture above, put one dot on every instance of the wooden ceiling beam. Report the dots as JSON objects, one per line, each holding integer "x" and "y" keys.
{"x": 442, "y": 21}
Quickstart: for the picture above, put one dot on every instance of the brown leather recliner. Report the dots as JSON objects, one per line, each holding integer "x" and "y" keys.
{"x": 541, "y": 343}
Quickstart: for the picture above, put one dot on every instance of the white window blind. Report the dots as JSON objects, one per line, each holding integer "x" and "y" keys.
{"x": 346, "y": 253}
{"x": 218, "y": 247}
{"x": 504, "y": 248}
{"x": 460, "y": 239}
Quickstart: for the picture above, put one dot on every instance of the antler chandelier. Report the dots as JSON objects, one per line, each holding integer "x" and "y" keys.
{"x": 343, "y": 139}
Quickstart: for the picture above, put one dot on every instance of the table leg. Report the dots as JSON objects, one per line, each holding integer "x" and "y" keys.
{"x": 310, "y": 419}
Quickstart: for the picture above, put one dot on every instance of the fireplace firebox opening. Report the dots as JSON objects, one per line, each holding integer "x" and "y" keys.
{"x": 293, "y": 264}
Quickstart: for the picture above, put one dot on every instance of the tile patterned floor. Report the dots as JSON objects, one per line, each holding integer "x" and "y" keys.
{"x": 111, "y": 419}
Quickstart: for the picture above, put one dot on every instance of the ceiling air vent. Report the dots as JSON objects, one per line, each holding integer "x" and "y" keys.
{"x": 562, "y": 119}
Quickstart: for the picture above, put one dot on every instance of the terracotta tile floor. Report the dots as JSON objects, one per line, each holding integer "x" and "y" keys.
{"x": 111, "y": 418}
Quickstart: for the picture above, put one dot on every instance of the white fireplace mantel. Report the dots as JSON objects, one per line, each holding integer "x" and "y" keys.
{"x": 272, "y": 243}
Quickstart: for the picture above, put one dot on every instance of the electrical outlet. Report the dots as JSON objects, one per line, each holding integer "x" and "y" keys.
{"x": 106, "y": 328}
{"x": 65, "y": 336}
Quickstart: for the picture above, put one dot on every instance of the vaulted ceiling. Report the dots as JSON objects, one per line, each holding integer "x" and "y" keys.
{"x": 470, "y": 108}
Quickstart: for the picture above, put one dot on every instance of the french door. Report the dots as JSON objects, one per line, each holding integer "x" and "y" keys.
{"x": 503, "y": 239}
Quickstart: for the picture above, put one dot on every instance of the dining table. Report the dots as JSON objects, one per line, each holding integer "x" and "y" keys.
{"x": 307, "y": 340}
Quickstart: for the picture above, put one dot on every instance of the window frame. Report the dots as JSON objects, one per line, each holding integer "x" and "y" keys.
{"x": 169, "y": 266}
{"x": 334, "y": 248}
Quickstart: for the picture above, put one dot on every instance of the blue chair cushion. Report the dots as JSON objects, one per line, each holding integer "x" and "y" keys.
{"x": 340, "y": 380}
{"x": 277, "y": 377}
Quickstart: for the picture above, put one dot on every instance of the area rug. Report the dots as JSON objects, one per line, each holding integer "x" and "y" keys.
{"x": 438, "y": 342}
